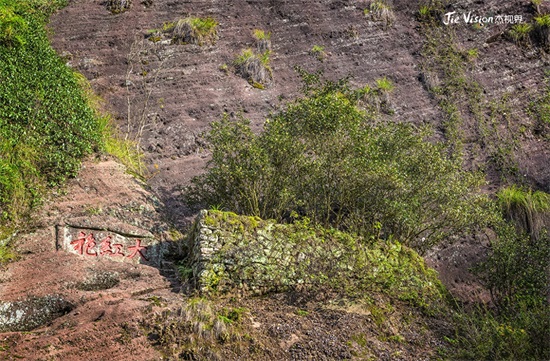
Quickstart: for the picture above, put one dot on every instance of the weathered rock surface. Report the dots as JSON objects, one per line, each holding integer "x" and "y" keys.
{"x": 195, "y": 85}
{"x": 86, "y": 307}
{"x": 32, "y": 313}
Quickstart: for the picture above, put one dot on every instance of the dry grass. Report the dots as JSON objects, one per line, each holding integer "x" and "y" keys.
{"x": 196, "y": 330}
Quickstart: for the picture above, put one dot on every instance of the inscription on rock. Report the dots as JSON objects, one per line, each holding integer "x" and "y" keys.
{"x": 95, "y": 243}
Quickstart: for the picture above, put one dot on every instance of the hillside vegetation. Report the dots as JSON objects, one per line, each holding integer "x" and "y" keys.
{"x": 332, "y": 203}
{"x": 328, "y": 158}
{"x": 46, "y": 125}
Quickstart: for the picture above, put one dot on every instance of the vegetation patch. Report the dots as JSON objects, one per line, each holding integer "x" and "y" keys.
{"x": 319, "y": 52}
{"x": 542, "y": 30}
{"x": 46, "y": 126}
{"x": 263, "y": 41}
{"x": 194, "y": 30}
{"x": 325, "y": 158}
{"x": 381, "y": 11}
{"x": 521, "y": 33}
{"x": 198, "y": 329}
{"x": 540, "y": 111}
{"x": 118, "y": 6}
{"x": 254, "y": 68}
{"x": 528, "y": 210}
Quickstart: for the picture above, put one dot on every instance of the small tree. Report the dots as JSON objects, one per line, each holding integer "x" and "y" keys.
{"x": 324, "y": 158}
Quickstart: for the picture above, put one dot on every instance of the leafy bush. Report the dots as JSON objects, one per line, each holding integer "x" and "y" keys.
{"x": 325, "y": 158}
{"x": 484, "y": 335}
{"x": 517, "y": 273}
{"x": 46, "y": 126}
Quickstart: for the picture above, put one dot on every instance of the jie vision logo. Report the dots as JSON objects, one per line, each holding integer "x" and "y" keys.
{"x": 472, "y": 18}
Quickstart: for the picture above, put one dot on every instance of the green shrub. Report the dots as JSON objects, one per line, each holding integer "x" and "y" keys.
{"x": 483, "y": 335}
{"x": 46, "y": 126}
{"x": 517, "y": 272}
{"x": 325, "y": 159}
{"x": 520, "y": 33}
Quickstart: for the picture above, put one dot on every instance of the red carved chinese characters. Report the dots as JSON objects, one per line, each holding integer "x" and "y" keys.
{"x": 105, "y": 247}
{"x": 85, "y": 244}
{"x": 137, "y": 249}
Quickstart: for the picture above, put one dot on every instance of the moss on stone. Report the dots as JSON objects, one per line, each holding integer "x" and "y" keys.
{"x": 233, "y": 253}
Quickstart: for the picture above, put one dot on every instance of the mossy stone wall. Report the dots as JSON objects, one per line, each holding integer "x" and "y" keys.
{"x": 238, "y": 254}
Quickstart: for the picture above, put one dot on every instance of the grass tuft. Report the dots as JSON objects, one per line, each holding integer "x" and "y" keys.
{"x": 118, "y": 6}
{"x": 381, "y": 11}
{"x": 195, "y": 30}
{"x": 527, "y": 209}
{"x": 254, "y": 67}
{"x": 520, "y": 33}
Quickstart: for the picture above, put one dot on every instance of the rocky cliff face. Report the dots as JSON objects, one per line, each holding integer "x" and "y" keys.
{"x": 188, "y": 86}
{"x": 191, "y": 90}
{"x": 470, "y": 81}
